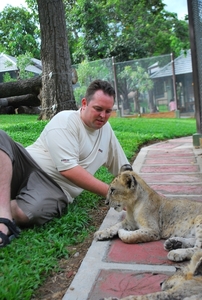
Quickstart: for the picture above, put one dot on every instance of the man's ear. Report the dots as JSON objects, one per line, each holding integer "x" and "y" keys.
{"x": 84, "y": 102}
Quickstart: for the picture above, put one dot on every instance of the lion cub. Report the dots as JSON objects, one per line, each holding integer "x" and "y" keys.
{"x": 151, "y": 217}
{"x": 185, "y": 284}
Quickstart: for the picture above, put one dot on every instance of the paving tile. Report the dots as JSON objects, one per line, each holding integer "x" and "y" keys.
{"x": 165, "y": 153}
{"x": 121, "y": 283}
{"x": 174, "y": 189}
{"x": 144, "y": 253}
{"x": 168, "y": 161}
{"x": 186, "y": 139}
{"x": 169, "y": 169}
{"x": 169, "y": 178}
{"x": 167, "y": 146}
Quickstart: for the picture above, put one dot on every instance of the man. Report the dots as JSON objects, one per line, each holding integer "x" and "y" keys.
{"x": 43, "y": 178}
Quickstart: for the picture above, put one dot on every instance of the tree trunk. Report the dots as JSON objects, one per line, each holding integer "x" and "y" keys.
{"x": 24, "y": 100}
{"x": 57, "y": 91}
{"x": 21, "y": 87}
{"x": 28, "y": 110}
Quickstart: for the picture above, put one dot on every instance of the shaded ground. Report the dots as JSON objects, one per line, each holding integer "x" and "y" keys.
{"x": 57, "y": 283}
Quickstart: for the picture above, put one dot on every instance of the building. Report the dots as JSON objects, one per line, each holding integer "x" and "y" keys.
{"x": 163, "y": 84}
{"x": 8, "y": 64}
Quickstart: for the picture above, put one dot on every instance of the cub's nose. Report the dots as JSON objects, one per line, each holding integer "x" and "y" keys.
{"x": 107, "y": 202}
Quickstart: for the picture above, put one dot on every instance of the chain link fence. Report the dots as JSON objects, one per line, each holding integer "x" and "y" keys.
{"x": 150, "y": 85}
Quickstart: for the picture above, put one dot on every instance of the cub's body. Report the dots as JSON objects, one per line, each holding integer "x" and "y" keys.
{"x": 150, "y": 217}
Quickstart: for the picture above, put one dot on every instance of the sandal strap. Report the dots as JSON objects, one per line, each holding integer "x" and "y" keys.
{"x": 5, "y": 239}
{"x": 14, "y": 229}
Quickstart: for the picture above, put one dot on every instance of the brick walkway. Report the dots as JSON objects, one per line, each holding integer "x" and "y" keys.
{"x": 112, "y": 268}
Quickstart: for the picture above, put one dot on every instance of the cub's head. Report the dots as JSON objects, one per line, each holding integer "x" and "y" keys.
{"x": 122, "y": 188}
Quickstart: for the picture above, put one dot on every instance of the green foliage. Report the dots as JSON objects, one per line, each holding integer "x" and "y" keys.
{"x": 19, "y": 33}
{"x": 23, "y": 61}
{"x": 89, "y": 71}
{"x": 137, "y": 79}
{"x": 126, "y": 29}
{"x": 133, "y": 79}
{"x": 7, "y": 77}
{"x": 27, "y": 261}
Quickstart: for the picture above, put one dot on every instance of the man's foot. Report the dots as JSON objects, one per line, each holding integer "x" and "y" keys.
{"x": 14, "y": 231}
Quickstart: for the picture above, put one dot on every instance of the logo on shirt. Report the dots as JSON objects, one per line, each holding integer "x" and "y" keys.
{"x": 100, "y": 150}
{"x": 65, "y": 160}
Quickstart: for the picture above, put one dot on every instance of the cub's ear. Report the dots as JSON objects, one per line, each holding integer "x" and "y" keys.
{"x": 130, "y": 181}
{"x": 198, "y": 268}
{"x": 126, "y": 167}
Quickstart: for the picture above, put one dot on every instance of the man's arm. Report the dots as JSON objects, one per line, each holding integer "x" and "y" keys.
{"x": 85, "y": 180}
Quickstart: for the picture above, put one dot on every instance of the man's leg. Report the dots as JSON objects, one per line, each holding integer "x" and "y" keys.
{"x": 5, "y": 186}
{"x": 27, "y": 194}
{"x": 8, "y": 209}
{"x": 17, "y": 214}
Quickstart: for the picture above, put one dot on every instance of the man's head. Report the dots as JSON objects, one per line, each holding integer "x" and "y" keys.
{"x": 97, "y": 104}
{"x": 97, "y": 85}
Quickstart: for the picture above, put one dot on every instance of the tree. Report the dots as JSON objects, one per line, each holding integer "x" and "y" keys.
{"x": 89, "y": 71}
{"x": 19, "y": 33}
{"x": 57, "y": 91}
{"x": 145, "y": 29}
{"x": 133, "y": 82}
{"x": 125, "y": 29}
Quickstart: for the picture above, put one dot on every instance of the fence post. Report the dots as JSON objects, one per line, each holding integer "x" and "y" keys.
{"x": 177, "y": 113}
{"x": 115, "y": 87}
{"x": 195, "y": 28}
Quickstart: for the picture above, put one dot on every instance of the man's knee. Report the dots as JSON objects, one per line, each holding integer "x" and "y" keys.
{"x": 18, "y": 215}
{"x": 37, "y": 211}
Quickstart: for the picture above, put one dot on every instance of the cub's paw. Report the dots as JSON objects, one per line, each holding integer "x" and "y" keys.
{"x": 171, "y": 244}
{"x": 102, "y": 235}
{"x": 178, "y": 255}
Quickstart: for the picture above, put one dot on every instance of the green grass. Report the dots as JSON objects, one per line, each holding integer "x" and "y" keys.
{"x": 27, "y": 261}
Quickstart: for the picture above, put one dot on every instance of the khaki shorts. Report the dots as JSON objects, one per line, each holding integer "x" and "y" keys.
{"x": 36, "y": 193}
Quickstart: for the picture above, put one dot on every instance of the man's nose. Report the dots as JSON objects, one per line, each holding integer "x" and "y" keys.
{"x": 102, "y": 114}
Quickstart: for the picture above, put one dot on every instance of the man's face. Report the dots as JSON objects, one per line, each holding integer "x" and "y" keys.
{"x": 97, "y": 112}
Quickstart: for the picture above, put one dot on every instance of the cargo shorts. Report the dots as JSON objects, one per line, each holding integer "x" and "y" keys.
{"x": 36, "y": 193}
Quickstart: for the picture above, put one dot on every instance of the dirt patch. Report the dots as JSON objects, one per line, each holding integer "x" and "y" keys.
{"x": 57, "y": 284}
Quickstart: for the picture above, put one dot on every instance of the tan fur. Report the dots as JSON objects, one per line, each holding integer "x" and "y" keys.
{"x": 150, "y": 217}
{"x": 185, "y": 284}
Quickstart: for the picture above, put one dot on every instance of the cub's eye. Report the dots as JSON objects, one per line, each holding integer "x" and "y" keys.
{"x": 112, "y": 191}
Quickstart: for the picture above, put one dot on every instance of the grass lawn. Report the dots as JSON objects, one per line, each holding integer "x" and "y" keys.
{"x": 27, "y": 261}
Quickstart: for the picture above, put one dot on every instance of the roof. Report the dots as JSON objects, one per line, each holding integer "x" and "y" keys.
{"x": 182, "y": 64}
{"x": 9, "y": 63}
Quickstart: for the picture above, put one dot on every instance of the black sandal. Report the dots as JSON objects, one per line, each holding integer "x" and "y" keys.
{"x": 14, "y": 230}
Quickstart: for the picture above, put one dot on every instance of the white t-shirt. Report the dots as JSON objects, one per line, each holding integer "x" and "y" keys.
{"x": 67, "y": 142}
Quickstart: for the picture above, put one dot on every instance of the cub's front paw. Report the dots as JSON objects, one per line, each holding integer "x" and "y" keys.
{"x": 101, "y": 235}
{"x": 171, "y": 244}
